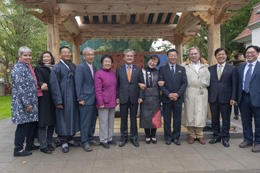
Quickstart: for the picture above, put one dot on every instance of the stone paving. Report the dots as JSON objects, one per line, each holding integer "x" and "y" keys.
{"x": 154, "y": 158}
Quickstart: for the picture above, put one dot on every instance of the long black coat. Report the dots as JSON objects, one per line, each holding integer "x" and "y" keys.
{"x": 45, "y": 105}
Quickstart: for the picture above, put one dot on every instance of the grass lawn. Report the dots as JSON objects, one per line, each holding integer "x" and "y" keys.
{"x": 5, "y": 107}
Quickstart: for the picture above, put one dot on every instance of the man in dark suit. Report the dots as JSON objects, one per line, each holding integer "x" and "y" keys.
{"x": 129, "y": 95}
{"x": 84, "y": 80}
{"x": 175, "y": 83}
{"x": 222, "y": 95}
{"x": 249, "y": 98}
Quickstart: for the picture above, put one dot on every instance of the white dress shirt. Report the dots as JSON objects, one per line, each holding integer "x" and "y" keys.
{"x": 245, "y": 70}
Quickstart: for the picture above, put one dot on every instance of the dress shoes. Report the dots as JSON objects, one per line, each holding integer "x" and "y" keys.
{"x": 22, "y": 153}
{"x": 147, "y": 140}
{"x": 94, "y": 142}
{"x": 122, "y": 143}
{"x": 31, "y": 148}
{"x": 202, "y": 141}
{"x": 112, "y": 142}
{"x": 191, "y": 140}
{"x": 177, "y": 141}
{"x": 215, "y": 140}
{"x": 168, "y": 142}
{"x": 65, "y": 148}
{"x": 256, "y": 148}
{"x": 245, "y": 144}
{"x": 73, "y": 143}
{"x": 46, "y": 150}
{"x": 154, "y": 140}
{"x": 105, "y": 145}
{"x": 134, "y": 142}
{"x": 86, "y": 147}
{"x": 225, "y": 143}
{"x": 51, "y": 147}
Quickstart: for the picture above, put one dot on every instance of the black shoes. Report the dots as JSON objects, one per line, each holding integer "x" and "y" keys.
{"x": 51, "y": 147}
{"x": 134, "y": 142}
{"x": 147, "y": 140}
{"x": 22, "y": 153}
{"x": 122, "y": 143}
{"x": 105, "y": 145}
{"x": 112, "y": 142}
{"x": 225, "y": 143}
{"x": 154, "y": 140}
{"x": 46, "y": 150}
{"x": 168, "y": 142}
{"x": 215, "y": 140}
{"x": 177, "y": 141}
{"x": 86, "y": 147}
{"x": 31, "y": 148}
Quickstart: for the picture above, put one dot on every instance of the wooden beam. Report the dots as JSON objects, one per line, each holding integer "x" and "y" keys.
{"x": 141, "y": 19}
{"x": 137, "y": 18}
{"x": 83, "y": 7}
{"x": 179, "y": 48}
{"x": 123, "y": 19}
{"x": 186, "y": 22}
{"x": 213, "y": 40}
{"x": 164, "y": 16}
{"x": 146, "y": 16}
{"x": 172, "y": 18}
{"x": 54, "y": 37}
{"x": 82, "y": 20}
{"x": 155, "y": 17}
{"x": 76, "y": 51}
{"x": 109, "y": 19}
{"x": 90, "y": 18}
{"x": 71, "y": 26}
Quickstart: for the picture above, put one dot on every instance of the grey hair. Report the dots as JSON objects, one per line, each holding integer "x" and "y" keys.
{"x": 194, "y": 48}
{"x": 87, "y": 49}
{"x": 128, "y": 50}
{"x": 24, "y": 49}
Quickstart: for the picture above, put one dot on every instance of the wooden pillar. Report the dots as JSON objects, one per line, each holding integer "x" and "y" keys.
{"x": 179, "y": 48}
{"x": 76, "y": 52}
{"x": 54, "y": 37}
{"x": 214, "y": 40}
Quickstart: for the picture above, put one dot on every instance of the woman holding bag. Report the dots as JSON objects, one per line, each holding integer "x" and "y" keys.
{"x": 151, "y": 102}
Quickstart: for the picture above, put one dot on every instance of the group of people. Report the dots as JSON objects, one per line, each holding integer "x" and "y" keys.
{"x": 67, "y": 99}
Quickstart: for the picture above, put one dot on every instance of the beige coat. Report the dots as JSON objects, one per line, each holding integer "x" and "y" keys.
{"x": 196, "y": 95}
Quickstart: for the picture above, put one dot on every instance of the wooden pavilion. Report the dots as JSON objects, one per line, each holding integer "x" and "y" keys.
{"x": 132, "y": 19}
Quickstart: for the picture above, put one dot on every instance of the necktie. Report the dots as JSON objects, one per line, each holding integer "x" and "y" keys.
{"x": 248, "y": 78}
{"x": 128, "y": 73}
{"x": 91, "y": 69}
{"x": 173, "y": 71}
{"x": 219, "y": 71}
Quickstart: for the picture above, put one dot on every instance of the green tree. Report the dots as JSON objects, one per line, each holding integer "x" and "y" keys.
{"x": 17, "y": 28}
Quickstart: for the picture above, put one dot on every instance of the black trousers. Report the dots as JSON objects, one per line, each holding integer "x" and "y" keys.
{"x": 172, "y": 108}
{"x": 225, "y": 110}
{"x": 150, "y": 132}
{"x": 124, "y": 118}
{"x": 45, "y": 136}
{"x": 24, "y": 132}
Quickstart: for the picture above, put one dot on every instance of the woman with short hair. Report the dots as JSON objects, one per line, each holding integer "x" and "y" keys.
{"x": 24, "y": 102}
{"x": 105, "y": 88}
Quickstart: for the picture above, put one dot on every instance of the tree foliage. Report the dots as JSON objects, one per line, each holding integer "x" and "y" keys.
{"x": 17, "y": 28}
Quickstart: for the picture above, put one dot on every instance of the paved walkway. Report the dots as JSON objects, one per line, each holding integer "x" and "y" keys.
{"x": 158, "y": 158}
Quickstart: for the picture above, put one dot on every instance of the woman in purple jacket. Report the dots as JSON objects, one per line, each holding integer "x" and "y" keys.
{"x": 105, "y": 88}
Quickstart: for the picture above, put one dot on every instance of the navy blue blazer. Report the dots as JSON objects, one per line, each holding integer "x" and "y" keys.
{"x": 85, "y": 87}
{"x": 173, "y": 84}
{"x": 254, "y": 85}
{"x": 225, "y": 89}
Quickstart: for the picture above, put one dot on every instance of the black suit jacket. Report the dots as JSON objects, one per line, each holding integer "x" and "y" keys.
{"x": 225, "y": 89}
{"x": 173, "y": 84}
{"x": 125, "y": 89}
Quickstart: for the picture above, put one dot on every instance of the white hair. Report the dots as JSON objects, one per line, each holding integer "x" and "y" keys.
{"x": 24, "y": 49}
{"x": 128, "y": 50}
{"x": 87, "y": 49}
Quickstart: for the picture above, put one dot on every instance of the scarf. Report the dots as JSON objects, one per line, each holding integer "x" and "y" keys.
{"x": 39, "y": 91}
